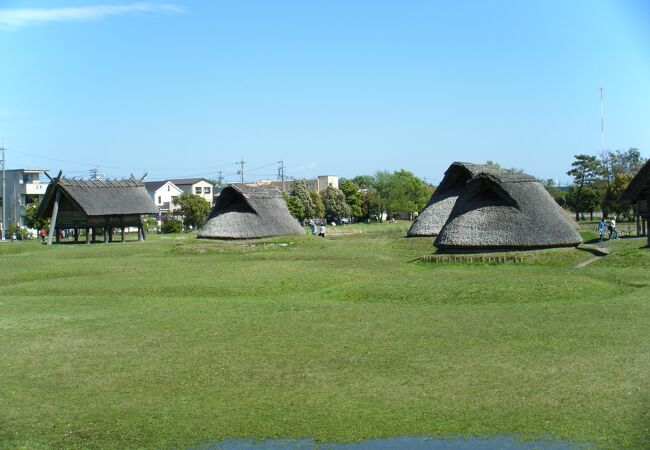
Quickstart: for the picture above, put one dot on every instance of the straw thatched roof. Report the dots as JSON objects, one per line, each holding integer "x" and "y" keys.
{"x": 100, "y": 197}
{"x": 435, "y": 214}
{"x": 506, "y": 210}
{"x": 639, "y": 187}
{"x": 247, "y": 212}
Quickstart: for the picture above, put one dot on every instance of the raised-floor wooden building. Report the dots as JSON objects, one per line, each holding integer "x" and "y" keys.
{"x": 91, "y": 205}
{"x": 638, "y": 194}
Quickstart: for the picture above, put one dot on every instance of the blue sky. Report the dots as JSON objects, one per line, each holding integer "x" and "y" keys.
{"x": 186, "y": 88}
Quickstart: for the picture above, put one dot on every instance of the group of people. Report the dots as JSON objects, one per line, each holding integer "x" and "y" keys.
{"x": 314, "y": 229}
{"x": 611, "y": 226}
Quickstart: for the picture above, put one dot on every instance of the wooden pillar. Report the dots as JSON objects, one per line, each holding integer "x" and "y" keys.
{"x": 94, "y": 231}
{"x": 58, "y": 236}
{"x": 110, "y": 234}
{"x": 638, "y": 224}
{"x": 105, "y": 235}
{"x": 55, "y": 213}
{"x": 122, "y": 234}
{"x": 76, "y": 235}
{"x": 88, "y": 235}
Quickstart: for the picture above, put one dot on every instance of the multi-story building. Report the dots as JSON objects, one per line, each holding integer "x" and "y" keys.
{"x": 318, "y": 184}
{"x": 163, "y": 194}
{"x": 22, "y": 188}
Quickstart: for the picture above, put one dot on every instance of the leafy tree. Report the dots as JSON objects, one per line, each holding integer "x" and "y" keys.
{"x": 295, "y": 206}
{"x": 364, "y": 181}
{"x": 505, "y": 169}
{"x": 371, "y": 206}
{"x": 585, "y": 171}
{"x": 150, "y": 224}
{"x": 171, "y": 226}
{"x": 352, "y": 197}
{"x": 334, "y": 203}
{"x": 193, "y": 208}
{"x": 319, "y": 209}
{"x": 33, "y": 220}
{"x": 402, "y": 191}
{"x": 299, "y": 190}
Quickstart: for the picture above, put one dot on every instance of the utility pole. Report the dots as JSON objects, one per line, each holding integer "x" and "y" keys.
{"x": 4, "y": 196}
{"x": 220, "y": 179}
{"x": 241, "y": 170}
{"x": 281, "y": 173}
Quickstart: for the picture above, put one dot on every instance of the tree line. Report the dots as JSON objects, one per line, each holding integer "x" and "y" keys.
{"x": 599, "y": 182}
{"x": 364, "y": 197}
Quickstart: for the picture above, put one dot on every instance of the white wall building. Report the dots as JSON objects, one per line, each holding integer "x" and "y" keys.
{"x": 22, "y": 188}
{"x": 163, "y": 194}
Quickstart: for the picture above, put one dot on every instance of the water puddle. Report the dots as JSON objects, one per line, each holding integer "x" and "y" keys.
{"x": 410, "y": 443}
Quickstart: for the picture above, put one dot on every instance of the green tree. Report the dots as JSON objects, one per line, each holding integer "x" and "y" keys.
{"x": 33, "y": 221}
{"x": 334, "y": 203}
{"x": 371, "y": 206}
{"x": 364, "y": 181}
{"x": 505, "y": 169}
{"x": 585, "y": 171}
{"x": 352, "y": 197}
{"x": 319, "y": 209}
{"x": 193, "y": 208}
{"x": 171, "y": 226}
{"x": 402, "y": 191}
{"x": 295, "y": 206}
{"x": 299, "y": 190}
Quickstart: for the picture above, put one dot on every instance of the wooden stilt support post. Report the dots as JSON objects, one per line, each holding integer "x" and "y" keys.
{"x": 76, "y": 235}
{"x": 122, "y": 234}
{"x": 105, "y": 235}
{"x": 55, "y": 213}
{"x": 110, "y": 234}
{"x": 94, "y": 231}
{"x": 87, "y": 235}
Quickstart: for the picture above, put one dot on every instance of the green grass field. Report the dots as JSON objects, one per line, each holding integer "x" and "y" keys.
{"x": 177, "y": 341}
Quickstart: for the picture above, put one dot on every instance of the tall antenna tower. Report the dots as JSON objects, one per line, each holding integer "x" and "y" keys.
{"x": 95, "y": 174}
{"x": 602, "y": 126}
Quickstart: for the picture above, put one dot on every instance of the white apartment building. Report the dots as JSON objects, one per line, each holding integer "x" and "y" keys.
{"x": 22, "y": 188}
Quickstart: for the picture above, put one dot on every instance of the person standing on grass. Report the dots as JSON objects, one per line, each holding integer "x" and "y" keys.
{"x": 322, "y": 231}
{"x": 312, "y": 225}
{"x": 612, "y": 228}
{"x": 601, "y": 228}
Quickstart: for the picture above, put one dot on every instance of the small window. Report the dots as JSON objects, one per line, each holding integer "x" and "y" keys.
{"x": 168, "y": 188}
{"x": 206, "y": 190}
{"x": 159, "y": 200}
{"x": 197, "y": 190}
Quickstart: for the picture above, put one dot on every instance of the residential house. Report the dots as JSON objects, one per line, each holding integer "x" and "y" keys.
{"x": 196, "y": 186}
{"x": 22, "y": 188}
{"x": 163, "y": 194}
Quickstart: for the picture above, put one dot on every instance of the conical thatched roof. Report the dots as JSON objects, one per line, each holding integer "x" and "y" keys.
{"x": 506, "y": 210}
{"x": 247, "y": 212}
{"x": 432, "y": 218}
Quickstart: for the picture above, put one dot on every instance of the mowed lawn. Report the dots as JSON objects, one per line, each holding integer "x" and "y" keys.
{"x": 176, "y": 342}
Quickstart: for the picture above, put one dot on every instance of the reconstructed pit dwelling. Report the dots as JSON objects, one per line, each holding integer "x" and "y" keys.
{"x": 249, "y": 212}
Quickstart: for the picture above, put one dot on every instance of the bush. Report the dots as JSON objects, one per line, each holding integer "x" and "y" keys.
{"x": 171, "y": 226}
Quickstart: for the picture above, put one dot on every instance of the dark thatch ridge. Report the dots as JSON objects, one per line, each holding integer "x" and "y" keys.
{"x": 248, "y": 212}
{"x": 639, "y": 187}
{"x": 100, "y": 197}
{"x": 506, "y": 210}
{"x": 435, "y": 214}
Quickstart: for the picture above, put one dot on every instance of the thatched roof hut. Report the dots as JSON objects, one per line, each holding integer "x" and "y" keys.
{"x": 638, "y": 194}
{"x": 90, "y": 204}
{"x": 435, "y": 214}
{"x": 506, "y": 210}
{"x": 248, "y": 212}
